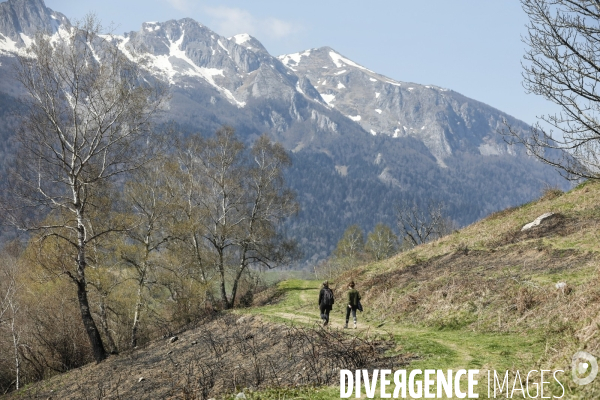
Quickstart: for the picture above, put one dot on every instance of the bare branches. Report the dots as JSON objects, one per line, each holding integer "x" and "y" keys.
{"x": 562, "y": 64}
{"x": 87, "y": 115}
{"x": 382, "y": 242}
{"x": 248, "y": 353}
{"x": 9, "y": 312}
{"x": 236, "y": 199}
{"x": 422, "y": 223}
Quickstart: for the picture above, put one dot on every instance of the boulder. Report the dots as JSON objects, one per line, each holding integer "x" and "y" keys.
{"x": 537, "y": 221}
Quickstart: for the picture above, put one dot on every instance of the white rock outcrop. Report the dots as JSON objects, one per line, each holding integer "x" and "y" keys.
{"x": 537, "y": 221}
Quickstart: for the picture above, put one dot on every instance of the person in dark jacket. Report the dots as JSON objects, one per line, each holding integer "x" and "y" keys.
{"x": 326, "y": 301}
{"x": 353, "y": 300}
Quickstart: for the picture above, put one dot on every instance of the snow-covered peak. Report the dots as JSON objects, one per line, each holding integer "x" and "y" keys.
{"x": 241, "y": 38}
{"x": 249, "y": 43}
{"x": 175, "y": 63}
{"x": 323, "y": 58}
{"x": 12, "y": 47}
{"x": 151, "y": 26}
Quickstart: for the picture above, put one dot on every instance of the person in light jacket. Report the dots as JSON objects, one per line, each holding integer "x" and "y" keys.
{"x": 353, "y": 300}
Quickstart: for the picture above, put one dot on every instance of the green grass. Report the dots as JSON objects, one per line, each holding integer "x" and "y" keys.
{"x": 462, "y": 332}
{"x": 312, "y": 393}
{"x": 273, "y": 276}
{"x": 432, "y": 348}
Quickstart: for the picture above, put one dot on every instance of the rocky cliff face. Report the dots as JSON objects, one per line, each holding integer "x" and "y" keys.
{"x": 20, "y": 20}
{"x": 185, "y": 50}
{"x": 442, "y": 119}
{"x": 361, "y": 142}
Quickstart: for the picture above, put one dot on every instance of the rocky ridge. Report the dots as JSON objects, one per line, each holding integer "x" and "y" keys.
{"x": 442, "y": 119}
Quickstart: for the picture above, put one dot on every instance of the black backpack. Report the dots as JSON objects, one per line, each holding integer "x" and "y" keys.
{"x": 328, "y": 297}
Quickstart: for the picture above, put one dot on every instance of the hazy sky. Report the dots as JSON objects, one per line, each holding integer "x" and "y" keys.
{"x": 471, "y": 46}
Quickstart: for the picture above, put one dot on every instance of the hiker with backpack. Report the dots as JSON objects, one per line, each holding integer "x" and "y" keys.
{"x": 326, "y": 301}
{"x": 353, "y": 304}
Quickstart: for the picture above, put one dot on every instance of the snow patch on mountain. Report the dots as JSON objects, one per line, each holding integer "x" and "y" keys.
{"x": 329, "y": 98}
{"x": 7, "y": 45}
{"x": 340, "y": 60}
{"x": 171, "y": 66}
{"x": 151, "y": 26}
{"x": 298, "y": 88}
{"x": 293, "y": 59}
{"x": 26, "y": 39}
{"x": 240, "y": 38}
{"x": 122, "y": 45}
{"x": 223, "y": 47}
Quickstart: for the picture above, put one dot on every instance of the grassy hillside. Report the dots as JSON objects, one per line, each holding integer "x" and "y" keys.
{"x": 493, "y": 281}
{"x": 492, "y": 278}
{"x": 483, "y": 298}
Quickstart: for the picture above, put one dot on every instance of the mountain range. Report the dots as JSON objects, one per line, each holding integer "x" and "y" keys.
{"x": 361, "y": 142}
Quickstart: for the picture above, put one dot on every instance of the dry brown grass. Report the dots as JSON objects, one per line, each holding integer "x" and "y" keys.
{"x": 491, "y": 277}
{"x": 222, "y": 357}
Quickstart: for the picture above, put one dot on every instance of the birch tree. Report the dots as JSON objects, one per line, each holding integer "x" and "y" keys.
{"x": 351, "y": 245}
{"x": 87, "y": 117}
{"x": 10, "y": 310}
{"x": 151, "y": 198}
{"x": 239, "y": 199}
{"x": 381, "y": 242}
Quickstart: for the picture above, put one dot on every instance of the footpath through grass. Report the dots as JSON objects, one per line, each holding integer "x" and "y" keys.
{"x": 431, "y": 348}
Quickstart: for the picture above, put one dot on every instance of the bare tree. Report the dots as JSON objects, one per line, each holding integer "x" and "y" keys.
{"x": 218, "y": 199}
{"x": 268, "y": 202}
{"x": 422, "y": 223}
{"x": 151, "y": 198}
{"x": 382, "y": 242}
{"x": 562, "y": 64}
{"x": 239, "y": 198}
{"x": 9, "y": 310}
{"x": 189, "y": 227}
{"x": 351, "y": 246}
{"x": 87, "y": 115}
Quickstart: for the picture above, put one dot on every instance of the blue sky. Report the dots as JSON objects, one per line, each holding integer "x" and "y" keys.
{"x": 471, "y": 46}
